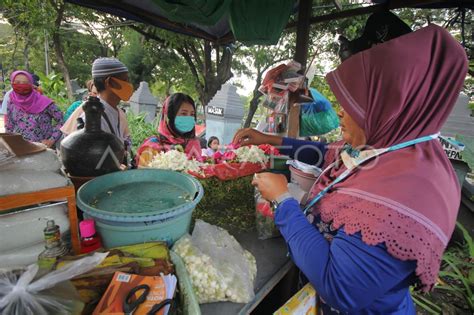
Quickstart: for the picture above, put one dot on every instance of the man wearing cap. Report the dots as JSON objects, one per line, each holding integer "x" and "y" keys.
{"x": 111, "y": 81}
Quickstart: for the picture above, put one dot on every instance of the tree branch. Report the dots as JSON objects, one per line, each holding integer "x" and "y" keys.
{"x": 207, "y": 58}
{"x": 218, "y": 50}
{"x": 149, "y": 35}
{"x": 192, "y": 67}
{"x": 15, "y": 47}
{"x": 196, "y": 55}
{"x": 224, "y": 67}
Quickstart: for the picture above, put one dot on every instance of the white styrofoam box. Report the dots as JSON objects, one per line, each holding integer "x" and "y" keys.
{"x": 25, "y": 228}
{"x": 43, "y": 161}
{"x": 21, "y": 257}
{"x": 22, "y": 181}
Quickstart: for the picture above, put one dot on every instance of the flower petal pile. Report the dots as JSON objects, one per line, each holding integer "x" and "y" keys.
{"x": 213, "y": 284}
{"x": 176, "y": 161}
{"x": 234, "y": 163}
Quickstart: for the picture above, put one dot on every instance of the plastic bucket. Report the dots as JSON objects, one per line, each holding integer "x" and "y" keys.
{"x": 134, "y": 224}
{"x": 302, "y": 179}
{"x": 115, "y": 235}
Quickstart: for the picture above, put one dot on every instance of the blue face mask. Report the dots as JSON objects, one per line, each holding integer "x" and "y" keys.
{"x": 184, "y": 124}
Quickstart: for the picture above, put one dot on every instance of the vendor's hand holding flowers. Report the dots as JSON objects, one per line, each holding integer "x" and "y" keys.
{"x": 270, "y": 185}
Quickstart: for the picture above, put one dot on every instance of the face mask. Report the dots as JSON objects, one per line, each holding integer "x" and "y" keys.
{"x": 125, "y": 91}
{"x": 22, "y": 89}
{"x": 184, "y": 124}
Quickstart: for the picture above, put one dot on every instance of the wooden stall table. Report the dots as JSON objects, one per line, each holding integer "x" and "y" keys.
{"x": 53, "y": 194}
{"x": 272, "y": 265}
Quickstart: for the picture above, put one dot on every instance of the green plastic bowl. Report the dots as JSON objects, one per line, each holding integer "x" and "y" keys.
{"x": 134, "y": 220}
{"x": 168, "y": 231}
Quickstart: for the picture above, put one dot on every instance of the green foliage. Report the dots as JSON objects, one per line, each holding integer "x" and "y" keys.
{"x": 469, "y": 86}
{"x": 135, "y": 58}
{"x": 456, "y": 278}
{"x": 228, "y": 204}
{"x": 468, "y": 152}
{"x": 467, "y": 239}
{"x": 460, "y": 272}
{"x": 320, "y": 84}
{"x": 139, "y": 129}
{"x": 53, "y": 86}
{"x": 7, "y": 38}
{"x": 80, "y": 51}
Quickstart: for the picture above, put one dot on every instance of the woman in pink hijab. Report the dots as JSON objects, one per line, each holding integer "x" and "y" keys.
{"x": 176, "y": 128}
{"x": 31, "y": 114}
{"x": 383, "y": 210}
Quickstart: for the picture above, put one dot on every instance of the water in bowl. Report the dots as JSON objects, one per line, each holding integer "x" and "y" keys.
{"x": 141, "y": 197}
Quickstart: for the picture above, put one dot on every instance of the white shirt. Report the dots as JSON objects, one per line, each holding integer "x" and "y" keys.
{"x": 6, "y": 98}
{"x": 114, "y": 118}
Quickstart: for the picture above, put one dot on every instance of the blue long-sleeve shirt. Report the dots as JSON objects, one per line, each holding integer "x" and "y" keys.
{"x": 349, "y": 275}
{"x": 309, "y": 152}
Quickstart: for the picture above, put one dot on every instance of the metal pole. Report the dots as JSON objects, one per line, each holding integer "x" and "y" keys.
{"x": 46, "y": 53}
{"x": 2, "y": 80}
{"x": 302, "y": 32}
{"x": 301, "y": 55}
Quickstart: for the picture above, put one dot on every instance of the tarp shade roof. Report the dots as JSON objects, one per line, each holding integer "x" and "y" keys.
{"x": 149, "y": 12}
{"x": 146, "y": 11}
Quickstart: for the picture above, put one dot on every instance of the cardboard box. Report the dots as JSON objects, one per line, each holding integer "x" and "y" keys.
{"x": 302, "y": 303}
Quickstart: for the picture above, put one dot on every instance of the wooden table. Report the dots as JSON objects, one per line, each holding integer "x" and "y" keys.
{"x": 53, "y": 194}
{"x": 272, "y": 265}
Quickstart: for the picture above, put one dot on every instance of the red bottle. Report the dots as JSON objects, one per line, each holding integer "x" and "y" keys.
{"x": 90, "y": 240}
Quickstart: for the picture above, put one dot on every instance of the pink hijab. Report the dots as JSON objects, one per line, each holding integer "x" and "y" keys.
{"x": 407, "y": 199}
{"x": 33, "y": 103}
{"x": 167, "y": 138}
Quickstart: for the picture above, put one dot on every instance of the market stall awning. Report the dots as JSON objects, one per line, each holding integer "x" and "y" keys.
{"x": 254, "y": 22}
{"x": 250, "y": 21}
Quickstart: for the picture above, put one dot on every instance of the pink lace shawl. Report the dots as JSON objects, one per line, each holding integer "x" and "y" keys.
{"x": 407, "y": 199}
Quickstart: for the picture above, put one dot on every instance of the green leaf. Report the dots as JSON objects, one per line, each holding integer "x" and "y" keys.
{"x": 465, "y": 233}
{"x": 425, "y": 306}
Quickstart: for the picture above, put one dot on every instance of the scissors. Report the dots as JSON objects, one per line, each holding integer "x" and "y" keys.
{"x": 129, "y": 307}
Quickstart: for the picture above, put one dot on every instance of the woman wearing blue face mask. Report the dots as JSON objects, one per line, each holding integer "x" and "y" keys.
{"x": 178, "y": 118}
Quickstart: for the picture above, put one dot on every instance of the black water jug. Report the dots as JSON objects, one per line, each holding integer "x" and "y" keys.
{"x": 92, "y": 151}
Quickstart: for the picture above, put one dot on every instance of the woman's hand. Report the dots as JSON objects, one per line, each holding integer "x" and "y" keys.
{"x": 249, "y": 136}
{"x": 271, "y": 186}
{"x": 48, "y": 143}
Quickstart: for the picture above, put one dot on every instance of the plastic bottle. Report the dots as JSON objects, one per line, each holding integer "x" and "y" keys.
{"x": 90, "y": 240}
{"x": 54, "y": 247}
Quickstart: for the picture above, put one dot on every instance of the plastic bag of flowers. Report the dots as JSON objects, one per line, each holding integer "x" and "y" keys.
{"x": 219, "y": 268}
{"x": 264, "y": 218}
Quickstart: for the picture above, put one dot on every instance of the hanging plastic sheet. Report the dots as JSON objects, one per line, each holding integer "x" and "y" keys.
{"x": 205, "y": 12}
{"x": 259, "y": 22}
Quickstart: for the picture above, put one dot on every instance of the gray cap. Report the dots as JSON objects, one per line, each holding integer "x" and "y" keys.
{"x": 104, "y": 67}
